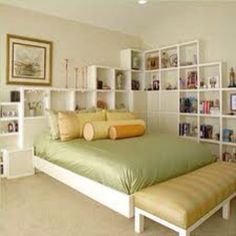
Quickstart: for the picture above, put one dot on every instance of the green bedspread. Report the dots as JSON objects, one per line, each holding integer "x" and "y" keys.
{"x": 127, "y": 165}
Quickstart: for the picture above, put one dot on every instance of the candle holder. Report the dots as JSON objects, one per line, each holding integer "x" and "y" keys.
{"x": 67, "y": 73}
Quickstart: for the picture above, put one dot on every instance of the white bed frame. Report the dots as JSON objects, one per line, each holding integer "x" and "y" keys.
{"x": 115, "y": 200}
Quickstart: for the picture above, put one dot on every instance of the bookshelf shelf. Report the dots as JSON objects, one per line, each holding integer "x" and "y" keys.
{"x": 9, "y": 134}
{"x": 9, "y": 118}
{"x": 229, "y": 144}
{"x": 209, "y": 141}
{"x": 188, "y": 114}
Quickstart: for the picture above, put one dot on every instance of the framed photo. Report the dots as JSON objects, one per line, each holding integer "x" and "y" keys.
{"x": 29, "y": 61}
{"x": 233, "y": 102}
{"x": 155, "y": 85}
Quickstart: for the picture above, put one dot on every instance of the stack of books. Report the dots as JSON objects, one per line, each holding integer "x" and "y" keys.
{"x": 184, "y": 129}
{"x": 206, "y": 131}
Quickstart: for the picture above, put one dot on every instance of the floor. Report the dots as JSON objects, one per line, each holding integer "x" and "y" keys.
{"x": 41, "y": 206}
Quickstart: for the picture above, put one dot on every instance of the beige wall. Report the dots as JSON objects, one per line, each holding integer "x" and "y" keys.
{"x": 213, "y": 25}
{"x": 81, "y": 43}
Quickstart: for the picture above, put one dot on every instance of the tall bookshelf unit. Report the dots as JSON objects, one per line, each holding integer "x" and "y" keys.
{"x": 163, "y": 105}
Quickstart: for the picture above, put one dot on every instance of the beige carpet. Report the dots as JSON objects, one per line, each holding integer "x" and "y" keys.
{"x": 41, "y": 206}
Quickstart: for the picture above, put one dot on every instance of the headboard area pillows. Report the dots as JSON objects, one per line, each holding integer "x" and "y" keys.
{"x": 126, "y": 131}
{"x": 100, "y": 129}
{"x": 69, "y": 126}
{"x": 89, "y": 117}
{"x": 52, "y": 119}
{"x": 111, "y": 116}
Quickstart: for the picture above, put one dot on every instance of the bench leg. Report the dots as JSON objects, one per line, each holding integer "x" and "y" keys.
{"x": 184, "y": 233}
{"x": 139, "y": 222}
{"x": 226, "y": 211}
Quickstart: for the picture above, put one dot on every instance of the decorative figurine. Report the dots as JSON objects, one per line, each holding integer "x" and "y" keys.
{"x": 119, "y": 80}
{"x": 165, "y": 61}
{"x": 232, "y": 78}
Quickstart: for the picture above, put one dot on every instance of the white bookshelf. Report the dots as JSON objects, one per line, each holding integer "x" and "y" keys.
{"x": 188, "y": 59}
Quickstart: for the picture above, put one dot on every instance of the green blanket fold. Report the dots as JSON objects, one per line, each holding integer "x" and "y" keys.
{"x": 126, "y": 165}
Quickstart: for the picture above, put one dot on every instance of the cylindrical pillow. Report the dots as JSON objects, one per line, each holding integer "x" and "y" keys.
{"x": 126, "y": 131}
{"x": 100, "y": 129}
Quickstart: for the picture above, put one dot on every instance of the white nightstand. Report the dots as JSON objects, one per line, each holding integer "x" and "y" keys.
{"x": 17, "y": 163}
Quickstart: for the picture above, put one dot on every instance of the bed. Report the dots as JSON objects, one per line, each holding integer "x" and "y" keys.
{"x": 111, "y": 171}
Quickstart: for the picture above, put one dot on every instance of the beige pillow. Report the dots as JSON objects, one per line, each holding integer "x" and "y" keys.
{"x": 69, "y": 126}
{"x": 52, "y": 118}
{"x": 120, "y": 116}
{"x": 89, "y": 117}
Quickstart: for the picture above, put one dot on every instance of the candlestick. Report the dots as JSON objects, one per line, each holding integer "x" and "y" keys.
{"x": 67, "y": 67}
{"x": 76, "y": 84}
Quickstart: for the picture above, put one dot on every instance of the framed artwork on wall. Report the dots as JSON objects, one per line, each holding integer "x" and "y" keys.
{"x": 29, "y": 61}
{"x": 233, "y": 102}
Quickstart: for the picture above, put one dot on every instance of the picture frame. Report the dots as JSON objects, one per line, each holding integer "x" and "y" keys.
{"x": 29, "y": 61}
{"x": 155, "y": 85}
{"x": 233, "y": 102}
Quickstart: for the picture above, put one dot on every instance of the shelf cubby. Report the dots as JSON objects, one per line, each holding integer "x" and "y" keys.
{"x": 188, "y": 78}
{"x": 210, "y": 76}
{"x": 209, "y": 129}
{"x": 226, "y": 95}
{"x": 229, "y": 131}
{"x": 122, "y": 79}
{"x": 137, "y": 77}
{"x": 106, "y": 77}
{"x": 210, "y": 103}
{"x": 62, "y": 100}
{"x": 84, "y": 100}
{"x": 188, "y": 102}
{"x": 122, "y": 100}
{"x": 34, "y": 103}
{"x": 189, "y": 53}
{"x": 229, "y": 152}
{"x": 152, "y": 60}
{"x": 169, "y": 80}
{"x": 169, "y": 57}
{"x": 188, "y": 126}
{"x": 152, "y": 81}
{"x": 106, "y": 97}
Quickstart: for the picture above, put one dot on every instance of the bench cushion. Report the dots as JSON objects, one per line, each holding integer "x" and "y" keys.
{"x": 182, "y": 201}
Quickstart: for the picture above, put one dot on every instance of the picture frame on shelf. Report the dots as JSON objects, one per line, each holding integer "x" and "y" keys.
{"x": 29, "y": 61}
{"x": 233, "y": 102}
{"x": 156, "y": 85}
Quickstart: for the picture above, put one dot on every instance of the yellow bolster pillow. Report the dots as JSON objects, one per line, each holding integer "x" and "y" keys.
{"x": 126, "y": 131}
{"x": 100, "y": 129}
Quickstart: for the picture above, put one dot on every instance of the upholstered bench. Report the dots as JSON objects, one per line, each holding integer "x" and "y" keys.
{"x": 183, "y": 203}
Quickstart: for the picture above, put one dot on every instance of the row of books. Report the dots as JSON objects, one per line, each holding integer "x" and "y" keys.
{"x": 184, "y": 129}
{"x": 205, "y": 107}
{"x": 206, "y": 131}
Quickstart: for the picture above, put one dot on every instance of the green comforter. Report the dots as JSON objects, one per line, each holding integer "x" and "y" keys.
{"x": 127, "y": 165}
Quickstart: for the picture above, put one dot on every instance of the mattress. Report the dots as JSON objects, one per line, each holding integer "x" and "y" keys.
{"x": 126, "y": 165}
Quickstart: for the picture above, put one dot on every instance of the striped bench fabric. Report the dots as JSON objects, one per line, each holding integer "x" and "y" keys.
{"x": 184, "y": 200}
